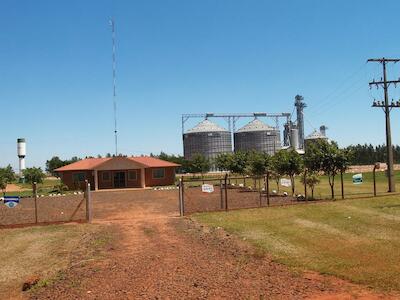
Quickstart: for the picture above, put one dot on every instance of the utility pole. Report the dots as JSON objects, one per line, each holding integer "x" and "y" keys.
{"x": 112, "y": 24}
{"x": 387, "y": 107}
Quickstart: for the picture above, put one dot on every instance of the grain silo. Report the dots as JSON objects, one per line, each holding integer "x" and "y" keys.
{"x": 314, "y": 137}
{"x": 258, "y": 136}
{"x": 208, "y": 139}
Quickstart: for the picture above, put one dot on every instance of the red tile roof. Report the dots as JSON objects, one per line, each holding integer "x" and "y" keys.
{"x": 152, "y": 162}
{"x": 93, "y": 163}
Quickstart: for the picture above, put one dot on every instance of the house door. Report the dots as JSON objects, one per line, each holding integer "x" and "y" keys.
{"x": 119, "y": 180}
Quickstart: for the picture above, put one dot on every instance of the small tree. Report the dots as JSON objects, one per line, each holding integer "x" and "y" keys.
{"x": 289, "y": 163}
{"x": 311, "y": 180}
{"x": 328, "y": 158}
{"x": 259, "y": 163}
{"x": 223, "y": 161}
{"x": 33, "y": 175}
{"x": 239, "y": 163}
{"x": 7, "y": 176}
{"x": 199, "y": 164}
{"x": 275, "y": 175}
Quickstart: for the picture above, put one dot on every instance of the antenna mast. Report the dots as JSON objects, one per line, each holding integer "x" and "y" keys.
{"x": 112, "y": 24}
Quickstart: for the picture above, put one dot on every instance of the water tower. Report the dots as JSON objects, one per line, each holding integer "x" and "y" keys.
{"x": 21, "y": 151}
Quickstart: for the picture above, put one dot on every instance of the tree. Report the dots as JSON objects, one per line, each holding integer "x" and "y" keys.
{"x": 177, "y": 159}
{"x": 7, "y": 176}
{"x": 289, "y": 163}
{"x": 223, "y": 161}
{"x": 311, "y": 179}
{"x": 328, "y": 158}
{"x": 54, "y": 163}
{"x": 275, "y": 175}
{"x": 239, "y": 163}
{"x": 259, "y": 163}
{"x": 33, "y": 175}
{"x": 199, "y": 164}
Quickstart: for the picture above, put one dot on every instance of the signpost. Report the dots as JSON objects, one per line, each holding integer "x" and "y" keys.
{"x": 11, "y": 201}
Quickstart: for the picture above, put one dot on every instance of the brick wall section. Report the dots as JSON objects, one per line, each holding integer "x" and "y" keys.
{"x": 67, "y": 179}
{"x": 109, "y": 183}
{"x": 169, "y": 178}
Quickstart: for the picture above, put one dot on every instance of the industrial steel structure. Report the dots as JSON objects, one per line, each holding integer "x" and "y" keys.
{"x": 257, "y": 136}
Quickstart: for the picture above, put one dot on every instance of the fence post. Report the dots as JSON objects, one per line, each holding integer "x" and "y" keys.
{"x": 221, "y": 194}
{"x": 376, "y": 166}
{"x": 88, "y": 197}
{"x": 181, "y": 195}
{"x": 341, "y": 182}
{"x": 226, "y": 191}
{"x": 305, "y": 185}
{"x": 35, "y": 199}
{"x": 266, "y": 178}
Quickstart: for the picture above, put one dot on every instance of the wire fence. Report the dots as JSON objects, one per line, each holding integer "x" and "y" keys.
{"x": 228, "y": 192}
{"x": 47, "y": 210}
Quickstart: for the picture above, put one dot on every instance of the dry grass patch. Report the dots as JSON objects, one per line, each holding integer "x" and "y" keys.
{"x": 42, "y": 252}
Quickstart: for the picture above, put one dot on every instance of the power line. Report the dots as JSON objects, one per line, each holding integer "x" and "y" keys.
{"x": 326, "y": 100}
{"x": 387, "y": 108}
{"x": 112, "y": 24}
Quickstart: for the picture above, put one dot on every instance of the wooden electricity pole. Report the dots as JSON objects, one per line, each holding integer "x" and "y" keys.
{"x": 387, "y": 107}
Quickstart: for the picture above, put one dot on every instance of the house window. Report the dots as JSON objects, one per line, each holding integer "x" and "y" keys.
{"x": 78, "y": 177}
{"x": 105, "y": 176}
{"x": 132, "y": 175}
{"x": 158, "y": 173}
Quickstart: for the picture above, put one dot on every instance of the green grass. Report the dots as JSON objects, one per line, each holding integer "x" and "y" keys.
{"x": 44, "y": 188}
{"x": 358, "y": 239}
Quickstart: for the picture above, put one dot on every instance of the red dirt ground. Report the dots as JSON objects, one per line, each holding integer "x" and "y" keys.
{"x": 157, "y": 255}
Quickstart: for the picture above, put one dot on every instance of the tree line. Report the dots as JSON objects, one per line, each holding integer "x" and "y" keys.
{"x": 320, "y": 157}
{"x": 369, "y": 154}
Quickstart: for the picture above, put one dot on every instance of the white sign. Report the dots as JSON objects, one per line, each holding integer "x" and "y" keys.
{"x": 286, "y": 182}
{"x": 207, "y": 188}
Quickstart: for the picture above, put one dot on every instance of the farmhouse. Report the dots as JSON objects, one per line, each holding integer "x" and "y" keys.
{"x": 118, "y": 172}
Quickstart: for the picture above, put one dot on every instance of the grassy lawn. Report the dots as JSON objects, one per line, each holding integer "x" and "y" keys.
{"x": 43, "y": 251}
{"x": 357, "y": 239}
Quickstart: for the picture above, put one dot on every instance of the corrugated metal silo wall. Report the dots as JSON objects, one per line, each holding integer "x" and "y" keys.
{"x": 268, "y": 141}
{"x": 209, "y": 144}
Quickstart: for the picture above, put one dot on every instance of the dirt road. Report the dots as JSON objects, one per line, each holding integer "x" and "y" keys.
{"x": 157, "y": 255}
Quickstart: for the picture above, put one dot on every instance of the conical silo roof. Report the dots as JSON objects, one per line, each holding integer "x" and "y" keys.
{"x": 316, "y": 135}
{"x": 206, "y": 126}
{"x": 255, "y": 125}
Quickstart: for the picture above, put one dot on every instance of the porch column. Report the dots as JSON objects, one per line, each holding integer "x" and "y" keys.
{"x": 143, "y": 177}
{"x": 96, "y": 180}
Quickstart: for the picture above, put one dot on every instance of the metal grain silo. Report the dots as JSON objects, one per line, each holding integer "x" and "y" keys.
{"x": 314, "y": 137}
{"x": 208, "y": 139}
{"x": 258, "y": 136}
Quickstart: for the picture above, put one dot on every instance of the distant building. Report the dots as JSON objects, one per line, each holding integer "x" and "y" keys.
{"x": 118, "y": 172}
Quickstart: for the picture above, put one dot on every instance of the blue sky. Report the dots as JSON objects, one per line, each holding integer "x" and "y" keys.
{"x": 186, "y": 56}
